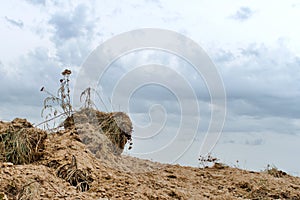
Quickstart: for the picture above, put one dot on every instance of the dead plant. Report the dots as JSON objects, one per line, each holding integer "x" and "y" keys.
{"x": 59, "y": 105}
{"x": 273, "y": 171}
{"x": 76, "y": 177}
{"x": 207, "y": 160}
{"x": 116, "y": 126}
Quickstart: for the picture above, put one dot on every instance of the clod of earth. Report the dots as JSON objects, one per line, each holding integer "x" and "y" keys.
{"x": 92, "y": 125}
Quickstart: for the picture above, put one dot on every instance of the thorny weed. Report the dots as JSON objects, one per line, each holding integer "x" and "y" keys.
{"x": 59, "y": 105}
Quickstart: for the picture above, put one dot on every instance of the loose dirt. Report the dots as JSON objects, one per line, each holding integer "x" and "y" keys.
{"x": 68, "y": 169}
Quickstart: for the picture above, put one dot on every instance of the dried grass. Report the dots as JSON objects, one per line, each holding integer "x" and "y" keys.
{"x": 20, "y": 143}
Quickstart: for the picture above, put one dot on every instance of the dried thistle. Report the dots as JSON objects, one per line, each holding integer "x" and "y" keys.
{"x": 57, "y": 105}
{"x": 66, "y": 72}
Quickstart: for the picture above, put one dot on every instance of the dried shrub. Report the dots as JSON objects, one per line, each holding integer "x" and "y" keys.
{"x": 20, "y": 143}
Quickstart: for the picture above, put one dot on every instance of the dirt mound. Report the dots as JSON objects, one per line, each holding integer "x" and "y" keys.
{"x": 69, "y": 170}
{"x": 102, "y": 132}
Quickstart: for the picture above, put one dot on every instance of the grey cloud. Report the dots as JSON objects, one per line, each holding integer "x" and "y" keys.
{"x": 254, "y": 142}
{"x": 253, "y": 50}
{"x": 243, "y": 14}
{"x": 263, "y": 106}
{"x": 73, "y": 34}
{"x": 223, "y": 56}
{"x": 229, "y": 141}
{"x": 22, "y": 87}
{"x": 72, "y": 24}
{"x": 251, "y": 140}
{"x": 171, "y": 19}
{"x": 263, "y": 81}
{"x": 146, "y": 96}
{"x": 153, "y": 1}
{"x": 141, "y": 102}
{"x": 255, "y": 123}
{"x": 17, "y": 23}
{"x": 73, "y": 51}
{"x": 127, "y": 67}
{"x": 37, "y": 2}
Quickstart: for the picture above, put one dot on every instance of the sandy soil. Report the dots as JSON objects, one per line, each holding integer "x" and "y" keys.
{"x": 124, "y": 177}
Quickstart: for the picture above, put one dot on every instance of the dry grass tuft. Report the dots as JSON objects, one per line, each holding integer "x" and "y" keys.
{"x": 20, "y": 143}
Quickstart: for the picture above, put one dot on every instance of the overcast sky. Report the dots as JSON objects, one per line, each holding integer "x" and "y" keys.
{"x": 255, "y": 46}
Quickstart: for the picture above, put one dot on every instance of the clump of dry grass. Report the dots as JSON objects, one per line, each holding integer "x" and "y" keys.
{"x": 21, "y": 143}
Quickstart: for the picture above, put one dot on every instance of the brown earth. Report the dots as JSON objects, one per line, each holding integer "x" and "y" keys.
{"x": 69, "y": 170}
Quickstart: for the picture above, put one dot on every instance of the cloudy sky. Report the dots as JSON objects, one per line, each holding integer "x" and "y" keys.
{"x": 254, "y": 45}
